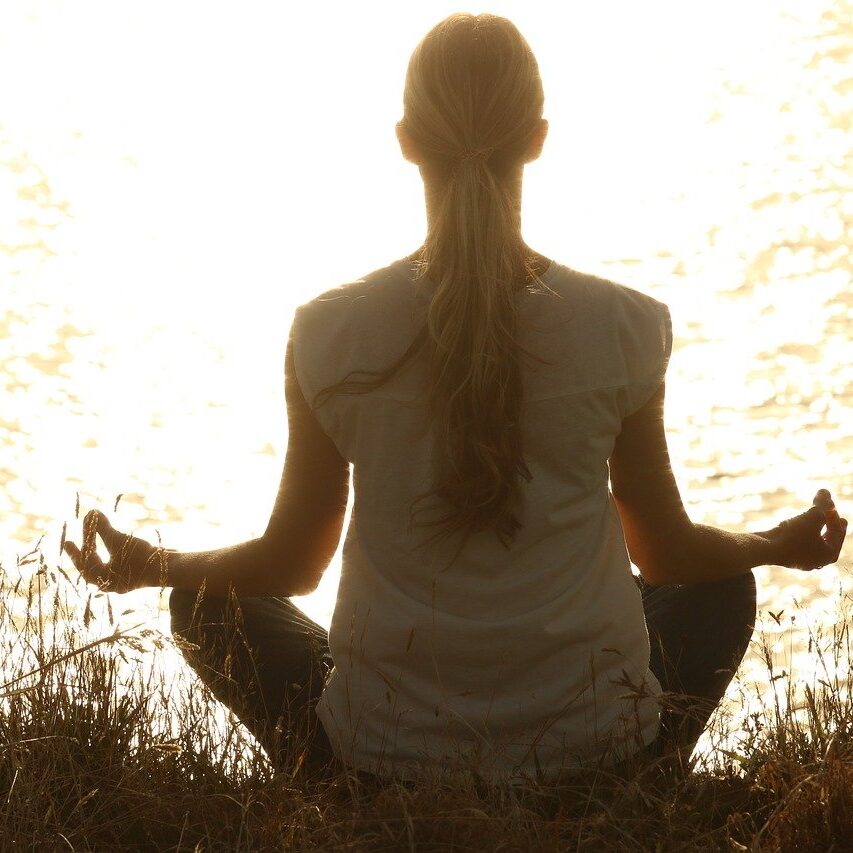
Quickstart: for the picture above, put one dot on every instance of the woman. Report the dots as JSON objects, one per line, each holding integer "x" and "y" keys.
{"x": 502, "y": 394}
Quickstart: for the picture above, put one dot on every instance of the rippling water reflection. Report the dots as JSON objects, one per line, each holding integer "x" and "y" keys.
{"x": 139, "y": 357}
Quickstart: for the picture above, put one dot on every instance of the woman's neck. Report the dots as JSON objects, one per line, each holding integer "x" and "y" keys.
{"x": 432, "y": 195}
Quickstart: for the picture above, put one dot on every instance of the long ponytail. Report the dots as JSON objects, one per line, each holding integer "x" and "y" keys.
{"x": 472, "y": 103}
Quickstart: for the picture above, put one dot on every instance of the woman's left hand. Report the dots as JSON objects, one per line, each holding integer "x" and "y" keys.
{"x": 133, "y": 562}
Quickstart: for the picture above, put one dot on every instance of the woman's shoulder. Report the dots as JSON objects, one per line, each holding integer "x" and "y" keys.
{"x": 598, "y": 304}
{"x": 607, "y": 310}
{"x": 602, "y": 291}
{"x": 368, "y": 289}
{"x": 374, "y": 309}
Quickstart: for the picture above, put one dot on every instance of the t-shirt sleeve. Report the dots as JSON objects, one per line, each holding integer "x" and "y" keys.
{"x": 297, "y": 340}
{"x": 650, "y": 348}
{"x": 320, "y": 343}
{"x": 315, "y": 338}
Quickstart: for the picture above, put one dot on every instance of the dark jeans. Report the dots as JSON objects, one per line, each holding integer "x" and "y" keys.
{"x": 267, "y": 661}
{"x": 698, "y": 635}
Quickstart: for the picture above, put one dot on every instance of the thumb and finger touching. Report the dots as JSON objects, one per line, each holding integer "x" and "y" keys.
{"x": 132, "y": 560}
{"x": 836, "y": 527}
{"x": 808, "y": 544}
{"x": 100, "y": 524}
{"x": 834, "y": 537}
{"x": 86, "y": 561}
{"x": 824, "y": 514}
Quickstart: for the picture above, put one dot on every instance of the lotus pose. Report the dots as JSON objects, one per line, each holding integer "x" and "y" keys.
{"x": 502, "y": 415}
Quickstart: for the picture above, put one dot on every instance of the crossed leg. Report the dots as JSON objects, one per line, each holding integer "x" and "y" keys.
{"x": 267, "y": 661}
{"x": 699, "y": 634}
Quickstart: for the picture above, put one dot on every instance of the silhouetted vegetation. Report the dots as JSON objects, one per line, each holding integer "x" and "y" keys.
{"x": 101, "y": 748}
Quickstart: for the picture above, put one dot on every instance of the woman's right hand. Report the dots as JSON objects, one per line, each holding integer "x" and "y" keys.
{"x": 799, "y": 544}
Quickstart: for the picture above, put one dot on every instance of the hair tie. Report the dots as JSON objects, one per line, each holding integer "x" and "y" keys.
{"x": 471, "y": 154}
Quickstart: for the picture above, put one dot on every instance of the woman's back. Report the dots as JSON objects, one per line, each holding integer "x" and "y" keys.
{"x": 493, "y": 651}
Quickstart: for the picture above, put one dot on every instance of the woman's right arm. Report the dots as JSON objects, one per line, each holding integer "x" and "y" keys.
{"x": 667, "y": 547}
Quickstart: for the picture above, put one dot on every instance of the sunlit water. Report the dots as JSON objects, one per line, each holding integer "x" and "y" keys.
{"x": 173, "y": 182}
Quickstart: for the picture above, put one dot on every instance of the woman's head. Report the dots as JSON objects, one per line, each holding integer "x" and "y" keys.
{"x": 472, "y": 85}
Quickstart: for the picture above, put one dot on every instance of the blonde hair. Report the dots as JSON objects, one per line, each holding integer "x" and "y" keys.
{"x": 473, "y": 101}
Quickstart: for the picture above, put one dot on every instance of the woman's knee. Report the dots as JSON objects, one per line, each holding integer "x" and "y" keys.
{"x": 737, "y": 626}
{"x": 746, "y": 581}
{"x": 181, "y": 603}
{"x": 186, "y": 609}
{"x": 747, "y": 596}
{"x": 736, "y": 604}
{"x": 736, "y": 595}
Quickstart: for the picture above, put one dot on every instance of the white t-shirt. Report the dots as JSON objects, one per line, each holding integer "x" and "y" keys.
{"x": 525, "y": 661}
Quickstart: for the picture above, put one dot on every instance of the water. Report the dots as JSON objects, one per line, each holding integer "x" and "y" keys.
{"x": 162, "y": 211}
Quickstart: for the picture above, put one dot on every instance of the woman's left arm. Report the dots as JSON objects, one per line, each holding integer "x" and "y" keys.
{"x": 291, "y": 556}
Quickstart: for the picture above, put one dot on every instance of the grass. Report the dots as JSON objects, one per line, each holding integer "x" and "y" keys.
{"x": 108, "y": 742}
